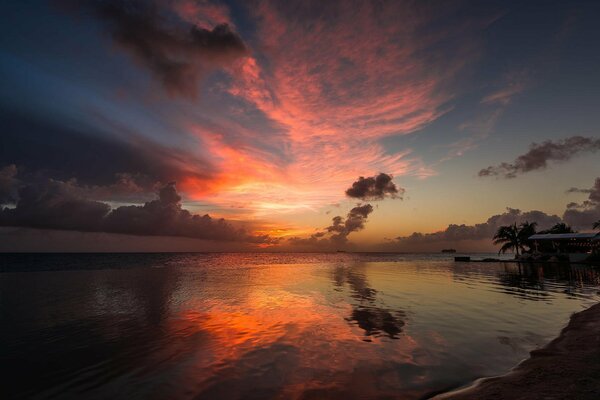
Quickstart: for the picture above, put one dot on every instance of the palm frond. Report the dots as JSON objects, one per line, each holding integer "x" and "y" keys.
{"x": 505, "y": 248}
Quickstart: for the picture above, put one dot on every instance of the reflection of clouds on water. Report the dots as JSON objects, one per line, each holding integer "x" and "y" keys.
{"x": 233, "y": 326}
{"x": 374, "y": 320}
{"x": 261, "y": 373}
{"x": 367, "y": 313}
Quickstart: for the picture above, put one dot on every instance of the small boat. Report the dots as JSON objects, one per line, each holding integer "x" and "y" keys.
{"x": 448, "y": 250}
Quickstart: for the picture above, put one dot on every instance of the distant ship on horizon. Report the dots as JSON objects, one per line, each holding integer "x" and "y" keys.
{"x": 448, "y": 250}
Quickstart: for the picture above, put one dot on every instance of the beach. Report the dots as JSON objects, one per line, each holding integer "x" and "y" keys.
{"x": 567, "y": 368}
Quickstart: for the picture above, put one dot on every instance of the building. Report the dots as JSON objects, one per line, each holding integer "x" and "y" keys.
{"x": 575, "y": 246}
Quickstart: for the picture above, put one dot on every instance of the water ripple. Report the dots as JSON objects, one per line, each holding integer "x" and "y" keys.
{"x": 206, "y": 326}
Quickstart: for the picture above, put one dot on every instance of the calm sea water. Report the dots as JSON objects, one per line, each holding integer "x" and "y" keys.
{"x": 261, "y": 326}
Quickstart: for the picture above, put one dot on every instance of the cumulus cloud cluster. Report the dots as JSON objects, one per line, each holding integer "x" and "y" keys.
{"x": 579, "y": 216}
{"x": 583, "y": 215}
{"x": 539, "y": 155}
{"x": 175, "y": 52}
{"x": 337, "y": 233}
{"x": 485, "y": 230}
{"x": 54, "y": 204}
{"x": 355, "y": 221}
{"x": 374, "y": 188}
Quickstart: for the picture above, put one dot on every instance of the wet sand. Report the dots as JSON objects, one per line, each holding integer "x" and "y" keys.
{"x": 567, "y": 368}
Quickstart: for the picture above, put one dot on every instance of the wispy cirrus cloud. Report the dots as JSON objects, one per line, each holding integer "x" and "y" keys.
{"x": 336, "y": 92}
{"x": 492, "y": 107}
{"x": 511, "y": 85}
{"x": 324, "y": 93}
{"x": 540, "y": 154}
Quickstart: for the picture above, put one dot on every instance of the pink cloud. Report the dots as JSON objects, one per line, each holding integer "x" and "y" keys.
{"x": 335, "y": 83}
{"x": 202, "y": 13}
{"x": 513, "y": 83}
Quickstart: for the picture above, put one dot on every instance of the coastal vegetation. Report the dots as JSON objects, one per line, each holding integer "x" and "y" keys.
{"x": 559, "y": 228}
{"x": 515, "y": 238}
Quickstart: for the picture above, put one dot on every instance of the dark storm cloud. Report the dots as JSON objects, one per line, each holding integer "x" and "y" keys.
{"x": 485, "y": 230}
{"x": 539, "y": 155}
{"x": 47, "y": 148}
{"x": 8, "y": 184}
{"x": 176, "y": 52}
{"x": 374, "y": 188}
{"x": 583, "y": 215}
{"x": 60, "y": 205}
{"x": 54, "y": 205}
{"x": 337, "y": 233}
{"x": 165, "y": 217}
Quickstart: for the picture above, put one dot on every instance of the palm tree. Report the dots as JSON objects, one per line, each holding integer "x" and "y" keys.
{"x": 597, "y": 224}
{"x": 561, "y": 227}
{"x": 509, "y": 237}
{"x": 513, "y": 237}
{"x": 526, "y": 229}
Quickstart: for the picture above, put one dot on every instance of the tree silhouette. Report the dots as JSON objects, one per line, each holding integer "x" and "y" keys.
{"x": 513, "y": 237}
{"x": 559, "y": 228}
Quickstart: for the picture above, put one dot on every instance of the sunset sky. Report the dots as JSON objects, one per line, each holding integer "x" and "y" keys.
{"x": 138, "y": 125}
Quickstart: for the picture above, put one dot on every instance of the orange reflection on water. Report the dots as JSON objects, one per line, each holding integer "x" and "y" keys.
{"x": 265, "y": 326}
{"x": 281, "y": 335}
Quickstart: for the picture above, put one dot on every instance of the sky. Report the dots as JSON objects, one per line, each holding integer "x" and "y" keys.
{"x": 196, "y": 125}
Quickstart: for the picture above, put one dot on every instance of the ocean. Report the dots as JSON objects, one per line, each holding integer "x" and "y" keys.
{"x": 272, "y": 326}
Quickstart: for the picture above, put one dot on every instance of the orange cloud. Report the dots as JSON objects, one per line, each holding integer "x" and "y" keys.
{"x": 334, "y": 84}
{"x": 246, "y": 335}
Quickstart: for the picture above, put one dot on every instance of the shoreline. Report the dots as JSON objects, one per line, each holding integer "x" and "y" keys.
{"x": 566, "y": 368}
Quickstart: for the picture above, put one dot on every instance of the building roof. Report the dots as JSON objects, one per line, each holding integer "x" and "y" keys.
{"x": 565, "y": 236}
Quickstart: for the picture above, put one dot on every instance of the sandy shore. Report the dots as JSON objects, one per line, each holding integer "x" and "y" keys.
{"x": 567, "y": 368}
